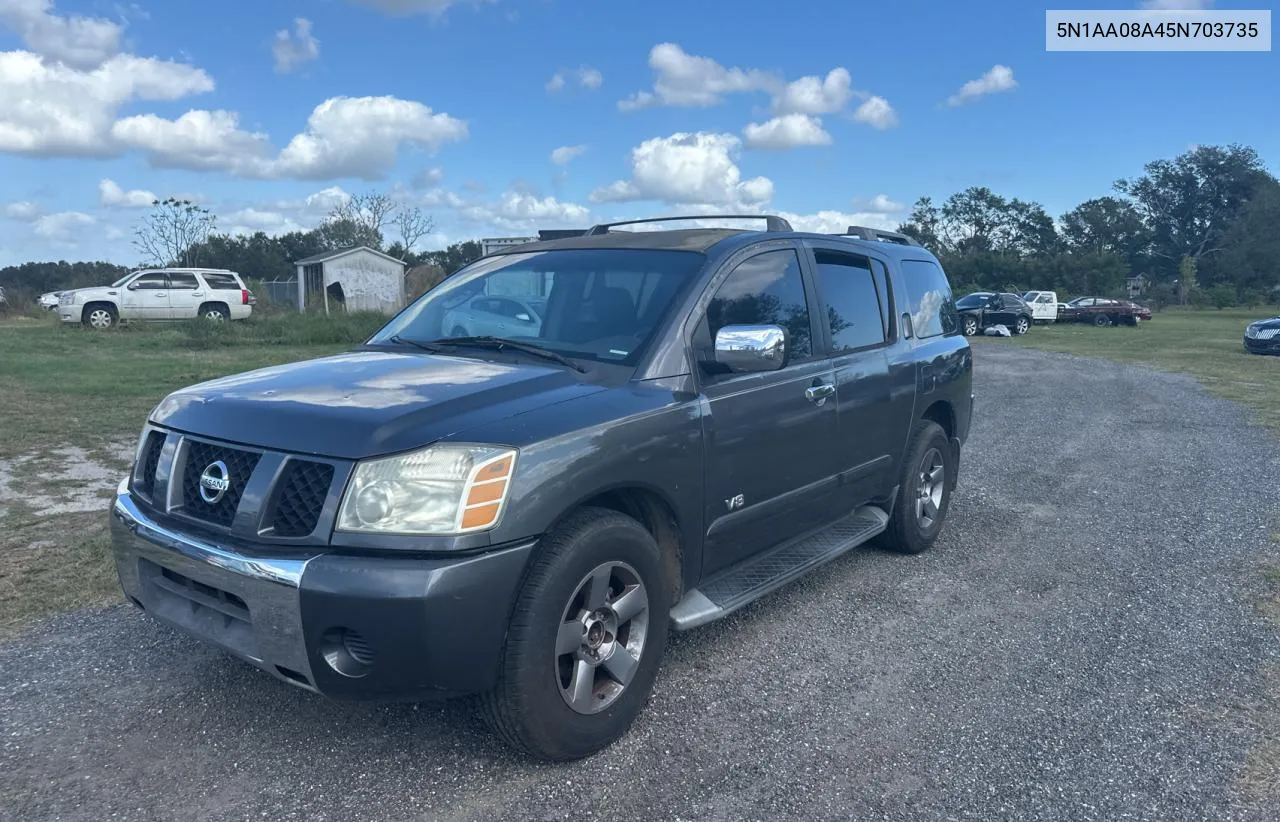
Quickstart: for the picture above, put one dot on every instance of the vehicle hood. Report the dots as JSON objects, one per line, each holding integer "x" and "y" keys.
{"x": 364, "y": 403}
{"x": 1273, "y": 322}
{"x": 91, "y": 292}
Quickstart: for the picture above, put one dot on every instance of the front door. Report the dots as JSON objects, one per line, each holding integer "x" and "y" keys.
{"x": 770, "y": 470}
{"x": 146, "y": 298}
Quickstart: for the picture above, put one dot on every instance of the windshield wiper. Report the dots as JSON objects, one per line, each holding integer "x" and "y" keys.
{"x": 499, "y": 343}
{"x": 398, "y": 340}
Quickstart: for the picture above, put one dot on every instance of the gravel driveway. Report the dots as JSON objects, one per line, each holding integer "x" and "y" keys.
{"x": 1084, "y": 642}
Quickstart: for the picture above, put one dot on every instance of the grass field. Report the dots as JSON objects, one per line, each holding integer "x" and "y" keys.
{"x": 72, "y": 402}
{"x": 1205, "y": 344}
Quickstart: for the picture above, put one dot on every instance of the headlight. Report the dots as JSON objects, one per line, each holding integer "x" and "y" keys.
{"x": 442, "y": 489}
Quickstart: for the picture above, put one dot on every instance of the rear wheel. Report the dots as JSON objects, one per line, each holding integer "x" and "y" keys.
{"x": 99, "y": 316}
{"x": 924, "y": 491}
{"x": 586, "y": 639}
{"x": 1102, "y": 321}
{"x": 1021, "y": 326}
{"x": 214, "y": 312}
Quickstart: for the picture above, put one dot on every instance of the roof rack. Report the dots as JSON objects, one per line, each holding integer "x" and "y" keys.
{"x": 771, "y": 222}
{"x": 879, "y": 234}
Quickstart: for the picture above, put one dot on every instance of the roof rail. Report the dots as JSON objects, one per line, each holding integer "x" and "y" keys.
{"x": 771, "y": 222}
{"x": 879, "y": 234}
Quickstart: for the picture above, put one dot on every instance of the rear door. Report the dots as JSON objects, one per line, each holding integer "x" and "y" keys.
{"x": 771, "y": 471}
{"x": 146, "y": 297}
{"x": 185, "y": 295}
{"x": 857, "y": 305}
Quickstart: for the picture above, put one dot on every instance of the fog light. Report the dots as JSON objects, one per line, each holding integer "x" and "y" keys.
{"x": 347, "y": 652}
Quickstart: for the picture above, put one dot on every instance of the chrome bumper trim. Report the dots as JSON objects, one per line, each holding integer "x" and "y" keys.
{"x": 273, "y": 637}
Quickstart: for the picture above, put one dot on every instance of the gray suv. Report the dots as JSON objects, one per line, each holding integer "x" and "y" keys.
{"x": 701, "y": 416}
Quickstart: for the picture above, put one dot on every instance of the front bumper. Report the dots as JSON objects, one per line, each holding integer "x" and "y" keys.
{"x": 1256, "y": 346}
{"x": 355, "y": 627}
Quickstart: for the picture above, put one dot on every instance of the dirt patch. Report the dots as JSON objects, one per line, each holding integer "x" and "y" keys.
{"x": 66, "y": 480}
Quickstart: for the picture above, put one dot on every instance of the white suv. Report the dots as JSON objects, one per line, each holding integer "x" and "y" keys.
{"x": 160, "y": 294}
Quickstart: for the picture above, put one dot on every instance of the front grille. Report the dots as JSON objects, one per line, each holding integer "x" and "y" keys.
{"x": 304, "y": 486}
{"x": 1264, "y": 333}
{"x": 240, "y": 465}
{"x": 150, "y": 460}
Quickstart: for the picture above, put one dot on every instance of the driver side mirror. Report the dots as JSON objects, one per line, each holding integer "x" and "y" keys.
{"x": 524, "y": 318}
{"x": 747, "y": 349}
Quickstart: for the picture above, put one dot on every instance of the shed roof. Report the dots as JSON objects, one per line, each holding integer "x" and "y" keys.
{"x": 326, "y": 256}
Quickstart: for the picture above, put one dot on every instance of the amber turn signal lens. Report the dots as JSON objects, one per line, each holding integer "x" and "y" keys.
{"x": 488, "y": 492}
{"x": 480, "y": 516}
{"x": 498, "y": 469}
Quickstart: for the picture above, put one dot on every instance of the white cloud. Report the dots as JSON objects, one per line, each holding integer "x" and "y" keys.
{"x": 586, "y": 76}
{"x": 837, "y": 222}
{"x": 815, "y": 95}
{"x": 427, "y": 177}
{"x": 24, "y": 210}
{"x": 563, "y": 155}
{"x": 345, "y": 137}
{"x": 200, "y": 140}
{"x": 998, "y": 79}
{"x": 76, "y": 41}
{"x": 111, "y": 195}
{"x": 360, "y": 137}
{"x": 62, "y": 227}
{"x": 292, "y": 49}
{"x": 696, "y": 82}
{"x": 520, "y": 210}
{"x": 880, "y": 204}
{"x": 687, "y": 168}
{"x": 787, "y": 131}
{"x": 55, "y": 110}
{"x": 877, "y": 113}
{"x": 402, "y": 8}
{"x": 252, "y": 220}
{"x": 589, "y": 77}
{"x": 1176, "y": 5}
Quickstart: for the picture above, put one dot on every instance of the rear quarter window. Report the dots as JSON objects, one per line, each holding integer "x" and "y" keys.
{"x": 221, "y": 282}
{"x": 929, "y": 301}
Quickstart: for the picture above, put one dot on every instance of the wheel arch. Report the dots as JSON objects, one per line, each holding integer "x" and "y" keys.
{"x": 92, "y": 304}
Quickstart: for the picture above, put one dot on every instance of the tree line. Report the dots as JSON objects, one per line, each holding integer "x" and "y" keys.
{"x": 1202, "y": 228}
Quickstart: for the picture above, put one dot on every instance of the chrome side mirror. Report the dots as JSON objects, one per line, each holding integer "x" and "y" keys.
{"x": 746, "y": 349}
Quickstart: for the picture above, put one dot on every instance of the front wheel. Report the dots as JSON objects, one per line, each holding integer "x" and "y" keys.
{"x": 1102, "y": 321}
{"x": 1021, "y": 326}
{"x": 970, "y": 326}
{"x": 924, "y": 491}
{"x": 99, "y": 317}
{"x": 586, "y": 638}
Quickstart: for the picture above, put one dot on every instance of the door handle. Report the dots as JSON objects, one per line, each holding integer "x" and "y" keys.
{"x": 197, "y": 293}
{"x": 818, "y": 394}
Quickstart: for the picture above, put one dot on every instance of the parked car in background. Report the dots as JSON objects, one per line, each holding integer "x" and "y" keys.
{"x": 1044, "y": 306}
{"x": 983, "y": 309}
{"x": 487, "y": 316}
{"x": 159, "y": 295}
{"x": 1102, "y": 311}
{"x": 1263, "y": 336}
{"x": 49, "y": 301}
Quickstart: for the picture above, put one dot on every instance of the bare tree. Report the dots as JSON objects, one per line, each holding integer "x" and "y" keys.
{"x": 373, "y": 210}
{"x": 174, "y": 231}
{"x": 413, "y": 225}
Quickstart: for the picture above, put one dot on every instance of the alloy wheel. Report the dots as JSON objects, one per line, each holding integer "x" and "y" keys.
{"x": 931, "y": 478}
{"x": 100, "y": 318}
{"x": 601, "y": 637}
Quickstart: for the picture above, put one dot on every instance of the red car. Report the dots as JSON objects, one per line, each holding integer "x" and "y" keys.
{"x": 1101, "y": 311}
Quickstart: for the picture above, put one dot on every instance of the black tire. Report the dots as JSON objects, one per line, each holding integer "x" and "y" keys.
{"x": 216, "y": 312}
{"x": 970, "y": 326}
{"x": 906, "y": 533}
{"x": 526, "y": 709}
{"x": 99, "y": 316}
{"x": 1021, "y": 326}
{"x": 1102, "y": 321}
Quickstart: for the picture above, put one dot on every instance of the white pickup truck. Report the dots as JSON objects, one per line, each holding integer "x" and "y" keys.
{"x": 160, "y": 295}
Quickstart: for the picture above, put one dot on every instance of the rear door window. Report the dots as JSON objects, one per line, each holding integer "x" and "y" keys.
{"x": 848, "y": 290}
{"x": 182, "y": 281}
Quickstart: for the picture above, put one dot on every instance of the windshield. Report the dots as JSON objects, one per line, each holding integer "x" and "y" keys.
{"x": 973, "y": 301}
{"x": 592, "y": 304}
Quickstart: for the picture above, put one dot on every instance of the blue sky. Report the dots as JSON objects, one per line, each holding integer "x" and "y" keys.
{"x": 829, "y": 112}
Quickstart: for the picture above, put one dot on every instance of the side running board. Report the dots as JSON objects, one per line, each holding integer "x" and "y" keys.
{"x": 744, "y": 583}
